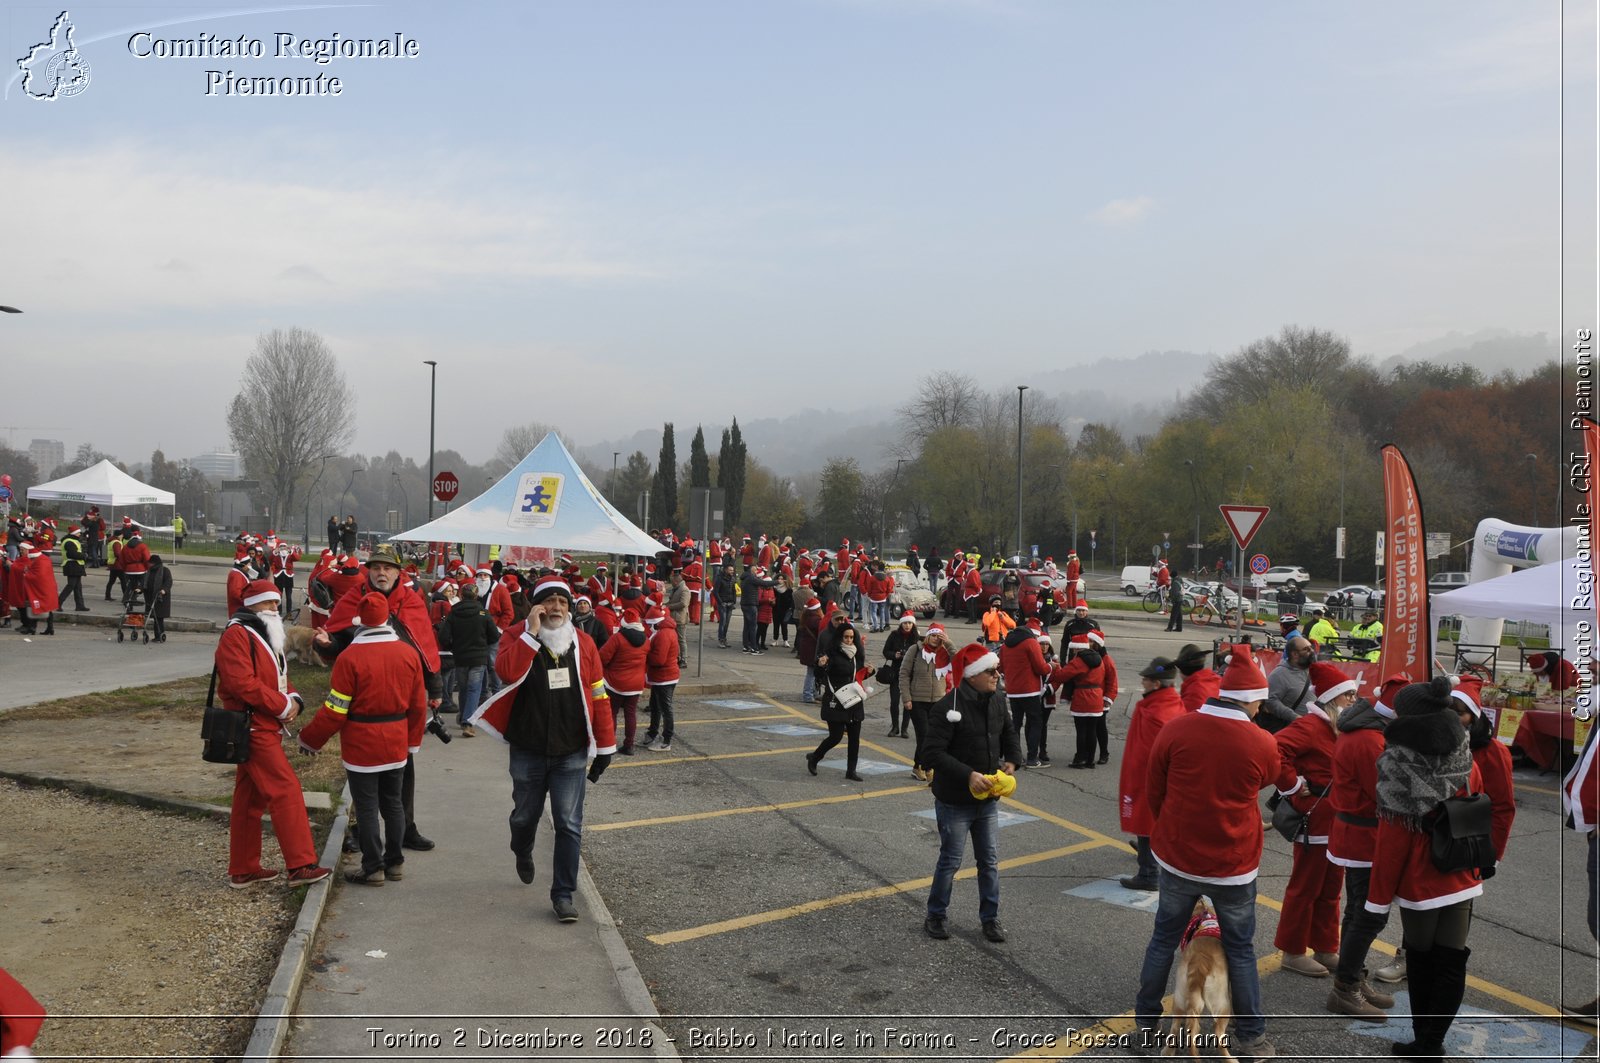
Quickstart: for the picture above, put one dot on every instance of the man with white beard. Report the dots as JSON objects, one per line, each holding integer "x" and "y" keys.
{"x": 253, "y": 677}
{"x": 556, "y": 715}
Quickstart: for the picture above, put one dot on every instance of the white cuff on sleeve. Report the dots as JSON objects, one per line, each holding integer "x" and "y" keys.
{"x": 1298, "y": 783}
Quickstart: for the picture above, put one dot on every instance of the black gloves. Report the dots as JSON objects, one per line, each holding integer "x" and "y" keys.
{"x": 602, "y": 761}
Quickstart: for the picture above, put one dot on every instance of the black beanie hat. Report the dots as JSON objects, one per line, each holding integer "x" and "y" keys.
{"x": 1419, "y": 699}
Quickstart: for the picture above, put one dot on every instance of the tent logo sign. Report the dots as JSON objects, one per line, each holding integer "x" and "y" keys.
{"x": 537, "y": 501}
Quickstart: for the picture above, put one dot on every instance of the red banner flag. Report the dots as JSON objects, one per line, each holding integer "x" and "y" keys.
{"x": 1407, "y": 629}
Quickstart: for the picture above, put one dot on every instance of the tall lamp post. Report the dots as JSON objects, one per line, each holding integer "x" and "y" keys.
{"x": 433, "y": 378}
{"x": 615, "y": 454}
{"x": 394, "y": 478}
{"x": 1020, "y": 389}
{"x": 883, "y": 505}
{"x": 349, "y": 483}
{"x": 1194, "y": 489}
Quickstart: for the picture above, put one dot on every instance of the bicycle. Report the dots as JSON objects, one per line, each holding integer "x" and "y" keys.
{"x": 1203, "y": 611}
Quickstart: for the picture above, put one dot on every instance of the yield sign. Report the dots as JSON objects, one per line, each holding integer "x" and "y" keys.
{"x": 1244, "y": 522}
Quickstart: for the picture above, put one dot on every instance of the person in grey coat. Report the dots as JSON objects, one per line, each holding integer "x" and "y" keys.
{"x": 1289, "y": 690}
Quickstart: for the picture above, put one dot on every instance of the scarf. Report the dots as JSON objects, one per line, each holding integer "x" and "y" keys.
{"x": 1425, "y": 762}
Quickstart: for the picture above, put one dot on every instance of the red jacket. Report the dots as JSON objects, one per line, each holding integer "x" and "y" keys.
{"x": 284, "y": 565}
{"x": 1305, "y": 749}
{"x": 877, "y": 587}
{"x": 1580, "y": 790}
{"x": 1355, "y": 793}
{"x": 499, "y": 606}
{"x": 1108, "y": 686}
{"x": 405, "y": 607}
{"x": 1494, "y": 763}
{"x": 1200, "y": 688}
{"x": 1082, "y": 679}
{"x": 237, "y": 582}
{"x": 971, "y": 583}
{"x": 250, "y": 676}
{"x": 518, "y": 647}
{"x": 1403, "y": 871}
{"x": 623, "y": 660}
{"x": 40, "y": 581}
{"x": 134, "y": 558}
{"x": 1022, "y": 663}
{"x": 21, "y": 1016}
{"x": 1150, "y": 714}
{"x": 1206, "y": 770}
{"x": 765, "y": 598}
{"x": 377, "y": 689}
{"x": 661, "y": 655}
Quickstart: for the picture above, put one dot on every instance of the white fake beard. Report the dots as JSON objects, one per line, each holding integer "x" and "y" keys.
{"x": 274, "y": 625}
{"x": 483, "y": 586}
{"x": 558, "y": 640}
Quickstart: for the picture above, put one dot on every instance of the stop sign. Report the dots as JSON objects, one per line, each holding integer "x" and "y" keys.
{"x": 446, "y": 486}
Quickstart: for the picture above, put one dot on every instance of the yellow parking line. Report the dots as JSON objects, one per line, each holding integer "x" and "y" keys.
{"x": 657, "y": 762}
{"x": 782, "y": 807}
{"x": 1536, "y": 789}
{"x": 744, "y": 921}
{"x": 731, "y": 719}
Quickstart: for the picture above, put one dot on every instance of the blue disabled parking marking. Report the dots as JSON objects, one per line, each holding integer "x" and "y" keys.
{"x": 863, "y": 767}
{"x": 792, "y": 730}
{"x": 1110, "y": 891}
{"x": 1480, "y": 1034}
{"x": 737, "y": 703}
{"x": 1007, "y": 817}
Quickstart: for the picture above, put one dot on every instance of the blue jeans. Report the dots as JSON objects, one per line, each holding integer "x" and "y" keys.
{"x": 748, "y": 635}
{"x": 808, "y": 691}
{"x": 533, "y": 777}
{"x": 879, "y": 612}
{"x": 469, "y": 689}
{"x": 1236, "y": 913}
{"x": 724, "y": 618}
{"x": 982, "y": 821}
{"x": 491, "y": 678}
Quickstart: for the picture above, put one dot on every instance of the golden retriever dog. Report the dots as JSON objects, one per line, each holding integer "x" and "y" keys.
{"x": 1202, "y": 984}
{"x": 297, "y": 642}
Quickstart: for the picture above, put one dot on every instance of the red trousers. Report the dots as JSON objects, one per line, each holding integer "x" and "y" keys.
{"x": 694, "y": 608}
{"x": 266, "y": 783}
{"x": 1310, "y": 916}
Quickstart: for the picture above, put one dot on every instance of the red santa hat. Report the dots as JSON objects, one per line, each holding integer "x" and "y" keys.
{"x": 486, "y": 570}
{"x": 759, "y": 572}
{"x": 601, "y": 567}
{"x": 935, "y": 629}
{"x": 630, "y": 619}
{"x": 1243, "y": 680}
{"x": 511, "y": 581}
{"x": 565, "y": 559}
{"x": 654, "y": 615}
{"x": 73, "y": 529}
{"x": 907, "y": 617}
{"x": 550, "y": 585}
{"x": 1386, "y": 694}
{"x": 1469, "y": 691}
{"x": 327, "y": 552}
{"x": 970, "y": 660}
{"x": 374, "y": 610}
{"x": 126, "y": 520}
{"x": 261, "y": 590}
{"x": 1097, "y": 640}
{"x": 26, "y": 546}
{"x": 1035, "y": 626}
{"x": 344, "y": 561}
{"x": 1328, "y": 682}
{"x": 815, "y": 603}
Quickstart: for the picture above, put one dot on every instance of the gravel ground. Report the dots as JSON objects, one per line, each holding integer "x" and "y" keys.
{"x": 118, "y": 919}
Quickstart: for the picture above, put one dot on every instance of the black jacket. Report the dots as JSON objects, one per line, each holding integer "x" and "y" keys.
{"x": 723, "y": 588}
{"x": 979, "y": 741}
{"x": 750, "y": 589}
{"x": 158, "y": 591}
{"x": 467, "y": 631}
{"x": 839, "y": 671}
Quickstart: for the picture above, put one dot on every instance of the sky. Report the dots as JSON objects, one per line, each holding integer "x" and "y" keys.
{"x": 606, "y": 215}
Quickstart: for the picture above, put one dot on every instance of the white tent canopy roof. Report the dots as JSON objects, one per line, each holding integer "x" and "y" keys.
{"x": 102, "y": 485}
{"x": 1542, "y": 594}
{"x": 545, "y": 501}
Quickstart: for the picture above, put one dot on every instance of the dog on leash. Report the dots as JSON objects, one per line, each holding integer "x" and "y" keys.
{"x": 1202, "y": 984}
{"x": 297, "y": 644}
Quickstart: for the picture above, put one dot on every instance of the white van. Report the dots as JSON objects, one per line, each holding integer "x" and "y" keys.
{"x": 1136, "y": 580}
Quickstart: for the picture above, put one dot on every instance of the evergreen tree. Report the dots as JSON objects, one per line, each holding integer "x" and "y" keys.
{"x": 664, "y": 487}
{"x": 699, "y": 460}
{"x": 731, "y": 474}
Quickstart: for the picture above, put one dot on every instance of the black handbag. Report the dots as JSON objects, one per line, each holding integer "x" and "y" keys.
{"x": 1461, "y": 840}
{"x": 1295, "y": 826}
{"x": 225, "y": 732}
{"x": 885, "y": 674}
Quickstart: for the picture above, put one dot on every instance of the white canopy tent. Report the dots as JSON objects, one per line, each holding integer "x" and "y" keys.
{"x": 545, "y": 501}
{"x": 1543, "y": 594}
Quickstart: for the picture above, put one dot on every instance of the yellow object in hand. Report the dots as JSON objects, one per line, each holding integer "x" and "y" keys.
{"x": 1000, "y": 785}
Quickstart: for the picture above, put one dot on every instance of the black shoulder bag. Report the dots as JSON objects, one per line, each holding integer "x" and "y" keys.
{"x": 1460, "y": 832}
{"x": 226, "y": 733}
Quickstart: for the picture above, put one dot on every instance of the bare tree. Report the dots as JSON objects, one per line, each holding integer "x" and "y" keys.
{"x": 518, "y": 441}
{"x": 943, "y": 400}
{"x": 1295, "y": 357}
{"x": 294, "y": 410}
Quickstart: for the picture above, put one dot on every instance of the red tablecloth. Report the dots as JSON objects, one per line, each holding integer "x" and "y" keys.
{"x": 1542, "y": 734}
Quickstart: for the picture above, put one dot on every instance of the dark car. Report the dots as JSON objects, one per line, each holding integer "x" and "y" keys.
{"x": 994, "y": 584}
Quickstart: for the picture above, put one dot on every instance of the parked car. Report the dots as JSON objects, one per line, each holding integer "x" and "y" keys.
{"x": 1287, "y": 575}
{"x": 1349, "y": 601}
{"x": 1224, "y": 599}
{"x": 910, "y": 592}
{"x": 1448, "y": 581}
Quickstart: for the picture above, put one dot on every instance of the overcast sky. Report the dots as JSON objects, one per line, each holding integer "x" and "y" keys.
{"x": 607, "y": 215}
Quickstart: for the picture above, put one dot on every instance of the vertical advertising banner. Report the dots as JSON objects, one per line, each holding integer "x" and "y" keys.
{"x": 1407, "y": 632}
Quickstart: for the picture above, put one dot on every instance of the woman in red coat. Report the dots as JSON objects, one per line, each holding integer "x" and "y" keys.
{"x": 1427, "y": 759}
{"x": 1082, "y": 680}
{"x": 1492, "y": 759}
{"x": 1311, "y": 902}
{"x": 1159, "y": 704}
{"x": 623, "y": 658}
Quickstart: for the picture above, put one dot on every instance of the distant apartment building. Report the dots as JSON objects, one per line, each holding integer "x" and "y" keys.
{"x": 218, "y": 465}
{"x": 47, "y": 454}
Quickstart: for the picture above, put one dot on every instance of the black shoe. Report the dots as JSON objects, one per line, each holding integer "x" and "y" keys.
{"x": 1044, "y": 761}
{"x": 415, "y": 840}
{"x": 811, "y": 763}
{"x": 853, "y": 777}
{"x": 1105, "y": 758}
{"x": 1079, "y": 764}
{"x": 83, "y": 609}
{"x": 352, "y": 844}
{"x": 934, "y": 927}
{"x": 894, "y": 732}
{"x": 993, "y": 931}
{"x": 626, "y": 750}
{"x": 365, "y": 878}
{"x": 525, "y": 869}
{"x": 1147, "y": 885}
{"x": 566, "y": 911}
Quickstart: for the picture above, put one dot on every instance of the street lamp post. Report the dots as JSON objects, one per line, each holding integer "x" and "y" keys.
{"x": 883, "y": 505}
{"x": 433, "y": 378}
{"x": 1194, "y": 489}
{"x": 1020, "y": 389}
{"x": 394, "y": 478}
{"x": 348, "y": 484}
{"x": 615, "y": 454}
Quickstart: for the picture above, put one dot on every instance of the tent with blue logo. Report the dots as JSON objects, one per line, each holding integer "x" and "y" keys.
{"x": 546, "y": 501}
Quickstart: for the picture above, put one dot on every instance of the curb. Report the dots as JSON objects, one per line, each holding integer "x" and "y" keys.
{"x": 272, "y": 1021}
{"x": 115, "y": 620}
{"x": 128, "y": 797}
{"x": 626, "y": 972}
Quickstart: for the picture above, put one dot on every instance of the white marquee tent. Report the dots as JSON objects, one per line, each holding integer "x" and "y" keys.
{"x": 102, "y": 485}
{"x": 545, "y": 501}
{"x": 1543, "y": 594}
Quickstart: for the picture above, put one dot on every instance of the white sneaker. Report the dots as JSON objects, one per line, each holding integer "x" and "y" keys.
{"x": 661, "y": 747}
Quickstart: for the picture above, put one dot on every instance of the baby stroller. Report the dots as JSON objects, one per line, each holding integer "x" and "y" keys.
{"x": 135, "y": 612}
